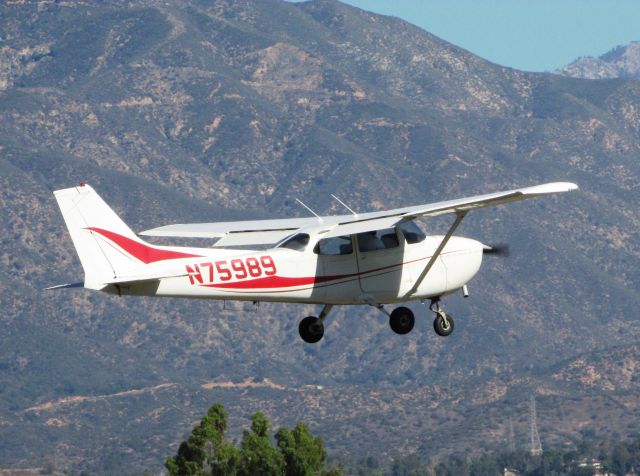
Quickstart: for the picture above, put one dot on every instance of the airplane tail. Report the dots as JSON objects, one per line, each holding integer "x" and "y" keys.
{"x": 106, "y": 246}
{"x": 110, "y": 252}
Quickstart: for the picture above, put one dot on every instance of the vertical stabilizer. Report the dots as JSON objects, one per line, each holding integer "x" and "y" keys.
{"x": 96, "y": 232}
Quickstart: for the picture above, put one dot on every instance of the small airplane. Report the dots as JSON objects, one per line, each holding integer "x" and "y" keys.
{"x": 374, "y": 258}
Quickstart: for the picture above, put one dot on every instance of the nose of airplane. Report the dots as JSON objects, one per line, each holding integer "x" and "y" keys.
{"x": 462, "y": 258}
{"x": 460, "y": 243}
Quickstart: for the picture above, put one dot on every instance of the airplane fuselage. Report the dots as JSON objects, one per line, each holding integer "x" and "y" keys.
{"x": 308, "y": 275}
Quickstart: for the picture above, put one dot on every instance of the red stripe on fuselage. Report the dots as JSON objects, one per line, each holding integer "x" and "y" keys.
{"x": 279, "y": 282}
{"x": 139, "y": 250}
{"x": 270, "y": 282}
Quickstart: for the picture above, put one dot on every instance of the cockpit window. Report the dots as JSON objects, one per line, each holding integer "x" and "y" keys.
{"x": 378, "y": 240}
{"x": 297, "y": 242}
{"x": 339, "y": 245}
{"x": 412, "y": 233}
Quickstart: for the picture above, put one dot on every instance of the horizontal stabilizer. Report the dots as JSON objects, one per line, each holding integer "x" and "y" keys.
{"x": 147, "y": 277}
{"x": 130, "y": 279}
{"x": 65, "y": 286}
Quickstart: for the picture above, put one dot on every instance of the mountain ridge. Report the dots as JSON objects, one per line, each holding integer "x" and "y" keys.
{"x": 621, "y": 62}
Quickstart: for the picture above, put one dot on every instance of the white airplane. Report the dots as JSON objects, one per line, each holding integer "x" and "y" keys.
{"x": 372, "y": 258}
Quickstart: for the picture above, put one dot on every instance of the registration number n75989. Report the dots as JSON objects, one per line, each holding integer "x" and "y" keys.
{"x": 228, "y": 269}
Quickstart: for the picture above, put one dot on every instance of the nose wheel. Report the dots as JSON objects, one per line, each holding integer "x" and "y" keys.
{"x": 443, "y": 323}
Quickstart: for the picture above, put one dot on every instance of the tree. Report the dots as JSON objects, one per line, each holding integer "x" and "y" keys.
{"x": 207, "y": 452}
{"x": 227, "y": 461}
{"x": 409, "y": 465}
{"x": 620, "y": 459}
{"x": 188, "y": 461}
{"x": 257, "y": 454}
{"x": 206, "y": 447}
{"x": 303, "y": 453}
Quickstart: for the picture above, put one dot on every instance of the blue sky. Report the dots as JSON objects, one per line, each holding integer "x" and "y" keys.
{"x": 533, "y": 35}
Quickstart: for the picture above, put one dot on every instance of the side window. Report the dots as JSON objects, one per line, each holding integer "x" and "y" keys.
{"x": 378, "y": 240}
{"x": 412, "y": 233}
{"x": 297, "y": 242}
{"x": 340, "y": 245}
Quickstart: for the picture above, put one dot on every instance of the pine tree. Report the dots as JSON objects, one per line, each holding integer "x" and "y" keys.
{"x": 207, "y": 452}
{"x": 257, "y": 454}
{"x": 303, "y": 453}
{"x": 206, "y": 447}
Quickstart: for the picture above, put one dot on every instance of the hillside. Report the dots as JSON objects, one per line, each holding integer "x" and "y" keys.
{"x": 219, "y": 110}
{"x": 620, "y": 62}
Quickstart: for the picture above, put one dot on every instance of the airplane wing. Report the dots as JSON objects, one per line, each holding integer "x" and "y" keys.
{"x": 271, "y": 231}
{"x": 490, "y": 199}
{"x": 378, "y": 220}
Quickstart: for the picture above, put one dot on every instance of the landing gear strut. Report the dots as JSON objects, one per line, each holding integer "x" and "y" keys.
{"x": 311, "y": 328}
{"x": 443, "y": 323}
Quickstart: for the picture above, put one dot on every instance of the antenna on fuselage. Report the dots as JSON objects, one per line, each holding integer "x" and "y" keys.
{"x": 302, "y": 203}
{"x": 344, "y": 205}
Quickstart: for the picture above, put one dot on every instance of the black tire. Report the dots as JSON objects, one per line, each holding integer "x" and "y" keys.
{"x": 439, "y": 327}
{"x": 311, "y": 329}
{"x": 402, "y": 320}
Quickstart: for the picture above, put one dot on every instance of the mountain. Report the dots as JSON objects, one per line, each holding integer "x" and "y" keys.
{"x": 206, "y": 111}
{"x": 620, "y": 62}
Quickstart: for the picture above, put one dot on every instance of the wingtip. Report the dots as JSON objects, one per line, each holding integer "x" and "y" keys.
{"x": 570, "y": 186}
{"x": 549, "y": 188}
{"x": 82, "y": 186}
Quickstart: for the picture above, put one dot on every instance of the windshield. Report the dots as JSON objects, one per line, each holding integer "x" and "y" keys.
{"x": 297, "y": 242}
{"x": 412, "y": 233}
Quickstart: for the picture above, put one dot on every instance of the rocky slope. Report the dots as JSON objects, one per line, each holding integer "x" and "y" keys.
{"x": 620, "y": 62}
{"x": 218, "y": 110}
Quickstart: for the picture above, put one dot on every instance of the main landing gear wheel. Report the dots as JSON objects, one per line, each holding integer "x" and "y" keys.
{"x": 402, "y": 320}
{"x": 443, "y": 324}
{"x": 311, "y": 329}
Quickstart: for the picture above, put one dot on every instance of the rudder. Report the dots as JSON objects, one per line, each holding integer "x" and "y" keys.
{"x": 92, "y": 225}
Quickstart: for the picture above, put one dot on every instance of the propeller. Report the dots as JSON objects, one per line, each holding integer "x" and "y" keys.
{"x": 499, "y": 249}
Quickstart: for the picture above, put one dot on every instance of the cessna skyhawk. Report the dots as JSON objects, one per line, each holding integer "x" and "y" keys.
{"x": 374, "y": 258}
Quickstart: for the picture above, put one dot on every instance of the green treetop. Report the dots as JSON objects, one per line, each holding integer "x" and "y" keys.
{"x": 207, "y": 452}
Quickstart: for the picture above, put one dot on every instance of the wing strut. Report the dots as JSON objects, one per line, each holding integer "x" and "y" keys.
{"x": 460, "y": 214}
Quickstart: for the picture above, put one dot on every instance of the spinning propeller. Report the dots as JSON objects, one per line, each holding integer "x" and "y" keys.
{"x": 499, "y": 249}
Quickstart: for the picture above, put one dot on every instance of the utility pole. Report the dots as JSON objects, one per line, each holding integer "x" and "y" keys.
{"x": 512, "y": 437}
{"x": 536, "y": 446}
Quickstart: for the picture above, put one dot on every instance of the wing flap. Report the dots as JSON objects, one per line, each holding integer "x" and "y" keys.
{"x": 220, "y": 229}
{"x": 252, "y": 238}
